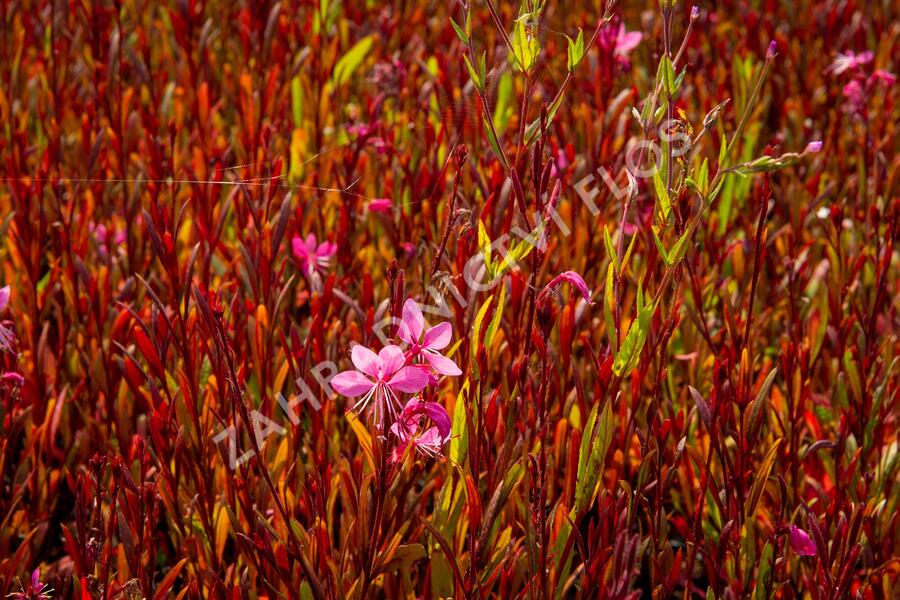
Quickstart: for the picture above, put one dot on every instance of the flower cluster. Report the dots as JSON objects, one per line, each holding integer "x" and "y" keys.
{"x": 380, "y": 379}
{"x": 313, "y": 256}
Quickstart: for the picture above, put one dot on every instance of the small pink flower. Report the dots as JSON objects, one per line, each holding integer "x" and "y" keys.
{"x": 409, "y": 429}
{"x": 620, "y": 42}
{"x": 572, "y": 278}
{"x": 380, "y": 377}
{"x": 12, "y": 378}
{"x": 7, "y": 337}
{"x": 381, "y": 205}
{"x": 35, "y": 590}
{"x": 856, "y": 97}
{"x": 849, "y": 60}
{"x": 886, "y": 78}
{"x": 801, "y": 542}
{"x": 626, "y": 41}
{"x": 312, "y": 256}
{"x": 436, "y": 338}
{"x": 813, "y": 147}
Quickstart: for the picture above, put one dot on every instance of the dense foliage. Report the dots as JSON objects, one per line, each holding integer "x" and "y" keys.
{"x": 470, "y": 299}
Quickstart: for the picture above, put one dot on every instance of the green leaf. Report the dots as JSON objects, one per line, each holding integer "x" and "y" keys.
{"x": 484, "y": 245}
{"x": 595, "y": 441}
{"x": 476, "y": 79}
{"x": 575, "y": 51}
{"x": 525, "y": 47}
{"x": 662, "y": 195}
{"x": 762, "y": 475}
{"x": 703, "y": 177}
{"x": 494, "y": 325}
{"x": 607, "y": 308}
{"x": 460, "y": 33}
{"x": 459, "y": 441}
{"x": 297, "y": 102}
{"x": 659, "y": 245}
{"x": 476, "y": 328}
{"x": 678, "y": 250}
{"x": 629, "y": 354}
{"x": 518, "y": 252}
{"x": 495, "y": 145}
{"x": 348, "y": 63}
{"x": 760, "y": 401}
{"x": 610, "y": 249}
{"x": 763, "y": 589}
{"x": 503, "y": 109}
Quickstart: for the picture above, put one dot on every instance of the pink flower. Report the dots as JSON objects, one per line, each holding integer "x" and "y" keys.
{"x": 436, "y": 338}
{"x": 12, "y": 378}
{"x": 801, "y": 542}
{"x": 886, "y": 78}
{"x": 6, "y": 335}
{"x": 626, "y": 41}
{"x": 620, "y": 42}
{"x": 381, "y": 205}
{"x": 409, "y": 429}
{"x": 312, "y": 256}
{"x": 856, "y": 96}
{"x": 35, "y": 591}
{"x": 572, "y": 278}
{"x": 813, "y": 147}
{"x": 380, "y": 377}
{"x": 848, "y": 61}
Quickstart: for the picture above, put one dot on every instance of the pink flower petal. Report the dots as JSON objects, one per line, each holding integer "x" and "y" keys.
{"x": 628, "y": 40}
{"x": 12, "y": 378}
{"x": 391, "y": 358}
{"x": 801, "y": 542}
{"x": 431, "y": 439}
{"x": 404, "y": 429}
{"x": 442, "y": 364}
{"x": 326, "y": 250}
{"x": 351, "y": 383}
{"x": 573, "y": 278}
{"x": 409, "y": 380}
{"x": 381, "y": 205}
{"x": 365, "y": 360}
{"x": 412, "y": 323}
{"x": 438, "y": 336}
{"x": 4, "y": 297}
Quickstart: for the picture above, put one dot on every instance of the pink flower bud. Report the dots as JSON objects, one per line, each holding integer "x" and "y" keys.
{"x": 801, "y": 542}
{"x": 813, "y": 147}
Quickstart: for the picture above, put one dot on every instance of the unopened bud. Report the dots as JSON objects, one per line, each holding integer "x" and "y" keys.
{"x": 813, "y": 147}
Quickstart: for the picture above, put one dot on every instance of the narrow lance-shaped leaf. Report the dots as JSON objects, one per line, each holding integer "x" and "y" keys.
{"x": 595, "y": 441}
{"x": 348, "y": 63}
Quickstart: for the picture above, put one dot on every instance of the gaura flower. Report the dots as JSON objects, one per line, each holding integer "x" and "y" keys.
{"x": 886, "y": 78}
{"x": 427, "y": 347}
{"x": 312, "y": 256}
{"x": 381, "y": 205}
{"x": 626, "y": 41}
{"x": 378, "y": 378}
{"x": 35, "y": 590}
{"x": 572, "y": 278}
{"x": 620, "y": 42}
{"x": 6, "y": 335}
{"x": 801, "y": 542}
{"x": 409, "y": 428}
{"x": 12, "y": 378}
{"x": 813, "y": 147}
{"x": 849, "y": 60}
